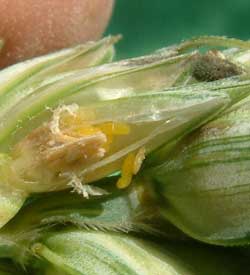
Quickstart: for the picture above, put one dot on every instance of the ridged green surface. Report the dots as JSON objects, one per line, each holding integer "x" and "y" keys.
{"x": 78, "y": 252}
{"x": 205, "y": 183}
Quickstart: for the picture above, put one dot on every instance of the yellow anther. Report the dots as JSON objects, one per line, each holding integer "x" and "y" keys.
{"x": 75, "y": 126}
{"x": 115, "y": 128}
{"x": 111, "y": 129}
{"x": 84, "y": 130}
{"x": 127, "y": 171}
{"x": 130, "y": 167}
{"x": 124, "y": 182}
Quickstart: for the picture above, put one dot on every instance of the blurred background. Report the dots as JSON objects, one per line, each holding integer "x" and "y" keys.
{"x": 147, "y": 25}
